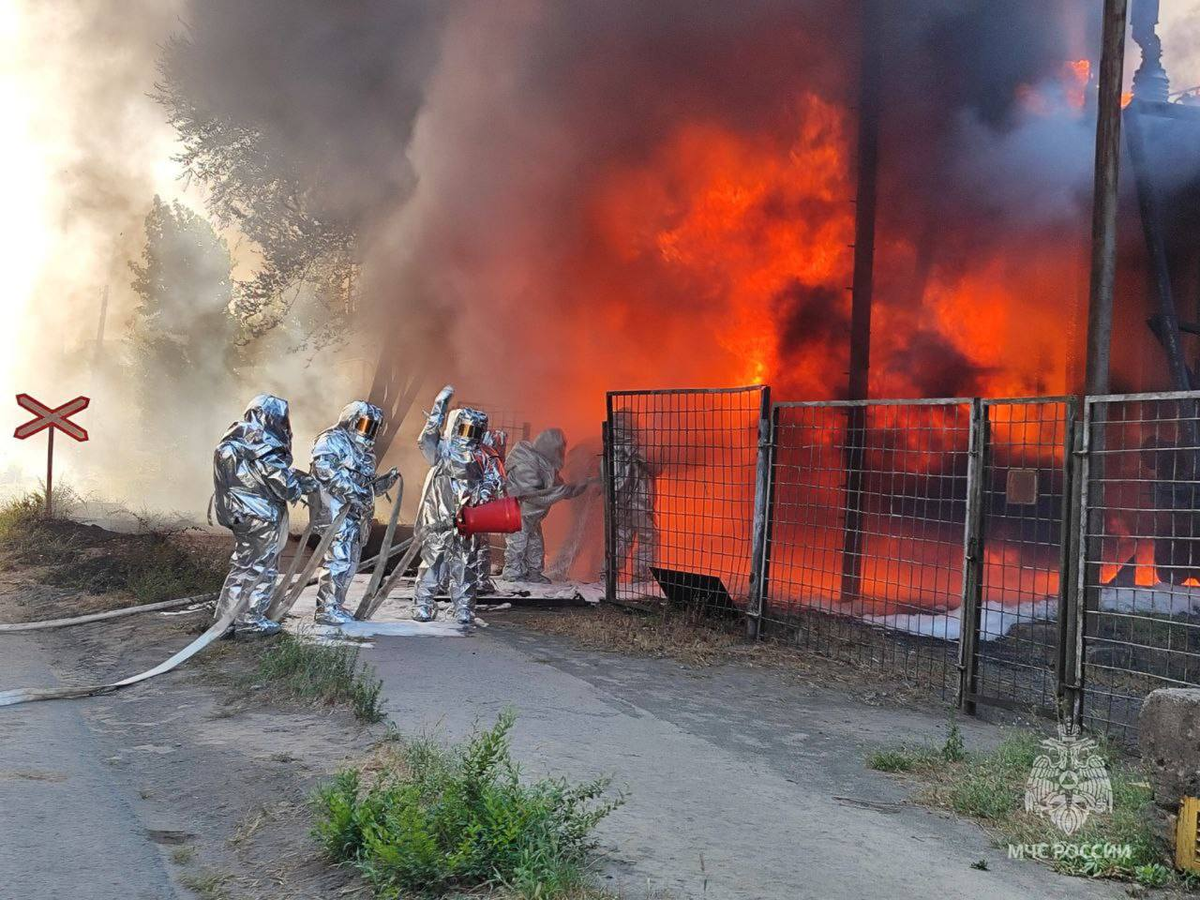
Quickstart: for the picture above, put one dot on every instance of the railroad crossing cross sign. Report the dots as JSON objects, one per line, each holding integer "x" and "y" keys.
{"x": 48, "y": 420}
{"x": 45, "y": 417}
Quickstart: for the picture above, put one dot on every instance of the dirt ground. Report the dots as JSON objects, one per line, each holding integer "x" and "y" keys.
{"x": 743, "y": 770}
{"x": 180, "y": 787}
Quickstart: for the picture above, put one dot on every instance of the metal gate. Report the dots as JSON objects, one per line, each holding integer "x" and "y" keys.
{"x": 1138, "y": 560}
{"x": 867, "y": 509}
{"x": 683, "y": 481}
{"x": 1015, "y": 554}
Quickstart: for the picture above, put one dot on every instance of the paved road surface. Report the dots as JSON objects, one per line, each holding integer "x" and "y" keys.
{"x": 742, "y": 785}
{"x": 67, "y": 828}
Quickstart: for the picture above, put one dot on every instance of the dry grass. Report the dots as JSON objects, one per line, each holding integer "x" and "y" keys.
{"x": 700, "y": 642}
{"x": 667, "y": 634}
{"x": 207, "y": 885}
{"x": 107, "y": 569}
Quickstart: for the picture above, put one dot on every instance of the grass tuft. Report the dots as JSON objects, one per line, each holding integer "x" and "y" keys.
{"x": 301, "y": 669}
{"x": 181, "y": 856}
{"x": 207, "y": 885}
{"x": 990, "y": 787}
{"x": 955, "y": 748}
{"x": 436, "y": 820}
{"x": 903, "y": 759}
{"x": 152, "y": 566}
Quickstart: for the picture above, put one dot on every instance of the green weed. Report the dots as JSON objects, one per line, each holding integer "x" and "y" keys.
{"x": 301, "y": 669}
{"x": 991, "y": 787}
{"x": 460, "y": 818}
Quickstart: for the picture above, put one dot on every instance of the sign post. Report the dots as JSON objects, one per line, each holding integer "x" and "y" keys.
{"x": 49, "y": 419}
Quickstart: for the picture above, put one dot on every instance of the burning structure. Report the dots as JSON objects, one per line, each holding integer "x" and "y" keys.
{"x": 541, "y": 202}
{"x": 953, "y": 520}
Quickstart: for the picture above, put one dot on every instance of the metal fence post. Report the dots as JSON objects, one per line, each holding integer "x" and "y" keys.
{"x": 610, "y": 503}
{"x": 1068, "y": 590}
{"x": 972, "y": 581}
{"x": 1089, "y": 530}
{"x": 760, "y": 535}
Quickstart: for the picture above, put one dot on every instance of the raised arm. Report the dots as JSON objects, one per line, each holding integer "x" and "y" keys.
{"x": 431, "y": 434}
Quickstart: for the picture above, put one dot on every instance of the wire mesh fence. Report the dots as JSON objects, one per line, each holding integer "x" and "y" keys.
{"x": 516, "y": 425}
{"x": 681, "y": 489}
{"x": 1140, "y": 555}
{"x": 867, "y": 511}
{"x": 1023, "y": 491}
{"x": 1003, "y": 552}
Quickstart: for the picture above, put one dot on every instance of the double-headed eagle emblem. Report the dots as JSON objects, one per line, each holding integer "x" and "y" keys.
{"x": 1069, "y": 782}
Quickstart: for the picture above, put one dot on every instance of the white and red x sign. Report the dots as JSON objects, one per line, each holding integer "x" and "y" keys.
{"x": 59, "y": 417}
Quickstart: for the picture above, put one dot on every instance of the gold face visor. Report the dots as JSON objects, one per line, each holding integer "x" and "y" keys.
{"x": 469, "y": 430}
{"x": 367, "y": 427}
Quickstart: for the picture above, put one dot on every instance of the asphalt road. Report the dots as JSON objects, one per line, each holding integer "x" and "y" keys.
{"x": 742, "y": 784}
{"x": 68, "y": 828}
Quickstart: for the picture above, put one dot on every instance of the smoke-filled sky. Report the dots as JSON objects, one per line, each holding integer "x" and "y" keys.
{"x": 559, "y": 198}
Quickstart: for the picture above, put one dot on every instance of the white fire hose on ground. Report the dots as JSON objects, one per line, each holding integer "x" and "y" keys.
{"x": 198, "y": 600}
{"x": 214, "y": 632}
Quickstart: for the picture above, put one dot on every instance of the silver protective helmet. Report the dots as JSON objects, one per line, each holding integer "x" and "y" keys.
{"x": 362, "y": 419}
{"x": 271, "y": 413}
{"x": 468, "y": 424}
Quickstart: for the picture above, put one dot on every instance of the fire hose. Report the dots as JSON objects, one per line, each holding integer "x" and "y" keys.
{"x": 283, "y": 598}
{"x": 378, "y": 589}
{"x": 380, "y": 560}
{"x": 109, "y": 614}
{"x": 214, "y": 632}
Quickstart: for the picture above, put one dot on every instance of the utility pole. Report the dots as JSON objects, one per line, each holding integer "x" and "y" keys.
{"x": 98, "y": 349}
{"x": 1079, "y": 593}
{"x": 861, "y": 295}
{"x": 1104, "y": 197}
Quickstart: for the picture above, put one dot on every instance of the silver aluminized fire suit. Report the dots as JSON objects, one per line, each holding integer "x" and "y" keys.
{"x": 459, "y": 476}
{"x": 254, "y": 482}
{"x": 343, "y": 462}
{"x": 494, "y": 444}
{"x": 533, "y": 478}
{"x": 633, "y": 486}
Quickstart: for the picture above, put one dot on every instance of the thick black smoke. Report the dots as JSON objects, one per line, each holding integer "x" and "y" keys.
{"x": 464, "y": 142}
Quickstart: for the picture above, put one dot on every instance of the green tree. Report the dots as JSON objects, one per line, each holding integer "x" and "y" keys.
{"x": 183, "y": 334}
{"x": 255, "y": 187}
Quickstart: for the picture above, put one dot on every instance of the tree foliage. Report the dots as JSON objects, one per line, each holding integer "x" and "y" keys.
{"x": 256, "y": 188}
{"x": 183, "y": 335}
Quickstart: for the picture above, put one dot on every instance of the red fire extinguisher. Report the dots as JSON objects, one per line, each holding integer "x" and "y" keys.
{"x": 502, "y": 516}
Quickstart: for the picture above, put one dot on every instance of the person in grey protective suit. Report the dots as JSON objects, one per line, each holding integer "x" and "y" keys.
{"x": 534, "y": 478}
{"x": 343, "y": 463}
{"x": 460, "y": 475}
{"x": 633, "y": 488}
{"x": 254, "y": 482}
{"x": 494, "y": 445}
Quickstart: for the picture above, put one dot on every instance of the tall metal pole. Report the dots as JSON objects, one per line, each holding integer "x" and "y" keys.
{"x": 50, "y": 472}
{"x": 1104, "y": 198}
{"x": 1082, "y": 594}
{"x": 861, "y": 297}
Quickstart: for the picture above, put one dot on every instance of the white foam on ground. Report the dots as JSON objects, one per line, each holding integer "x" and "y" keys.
{"x": 998, "y": 619}
{"x": 1160, "y": 600}
{"x": 394, "y": 615}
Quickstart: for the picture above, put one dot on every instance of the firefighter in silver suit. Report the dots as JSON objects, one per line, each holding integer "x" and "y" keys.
{"x": 633, "y": 487}
{"x": 254, "y": 482}
{"x": 343, "y": 463}
{"x": 534, "y": 478}
{"x": 460, "y": 475}
{"x": 494, "y": 446}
